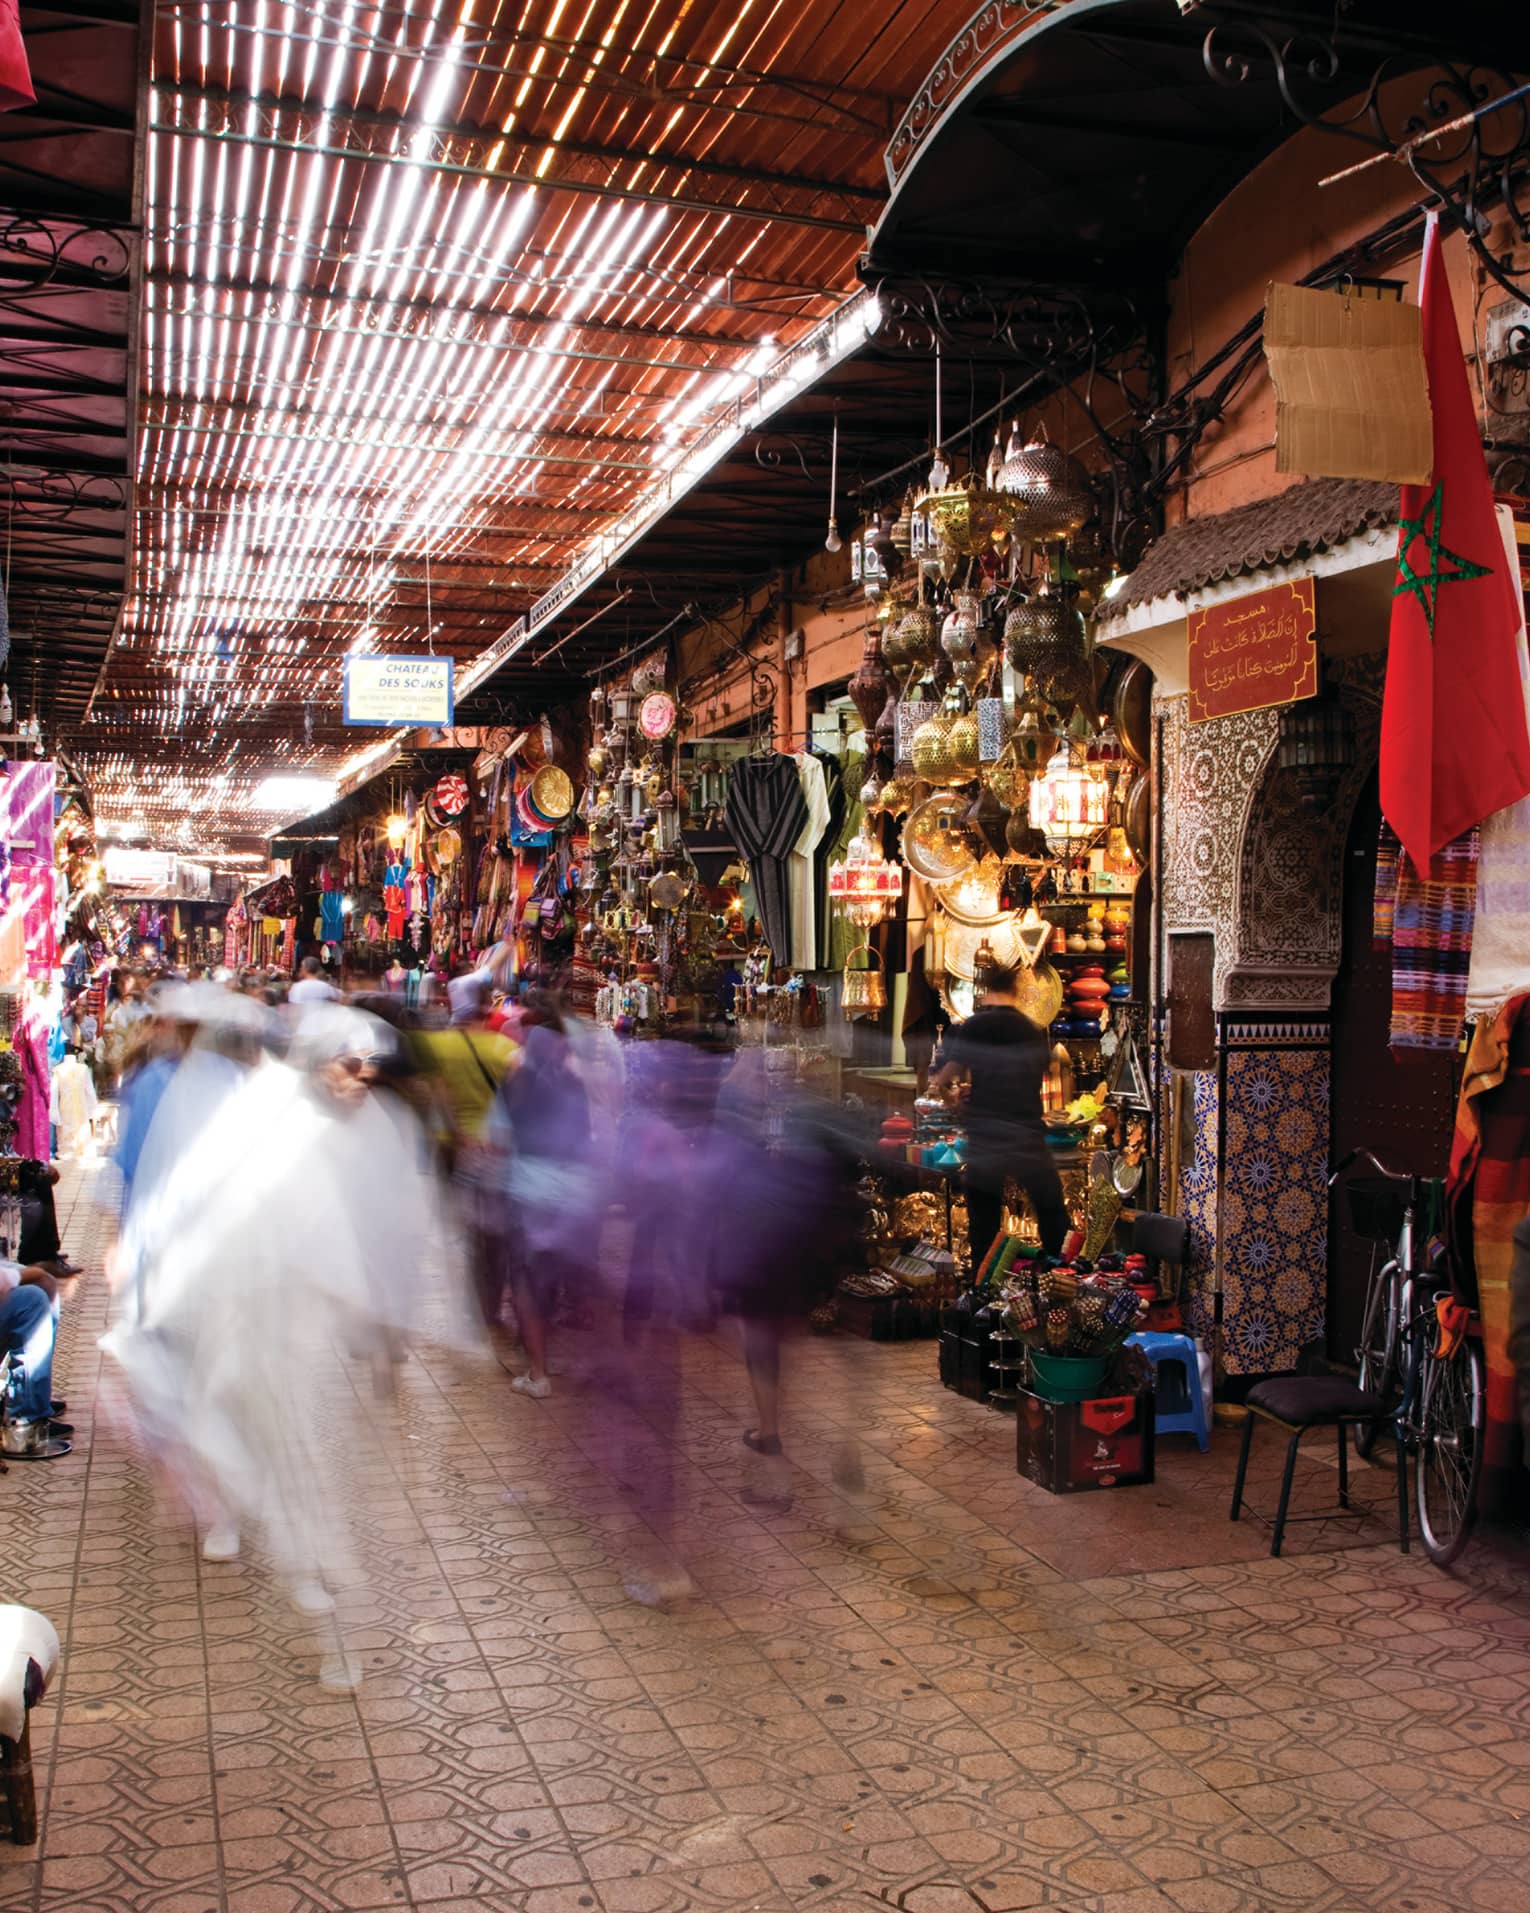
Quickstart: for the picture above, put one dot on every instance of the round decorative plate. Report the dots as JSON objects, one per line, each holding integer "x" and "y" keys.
{"x": 936, "y": 843}
{"x": 451, "y": 795}
{"x": 1139, "y": 817}
{"x": 1133, "y": 712}
{"x": 656, "y": 714}
{"x": 974, "y": 896}
{"x": 552, "y": 793}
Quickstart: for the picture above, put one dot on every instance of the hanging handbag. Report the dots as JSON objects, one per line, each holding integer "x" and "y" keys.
{"x": 865, "y": 991}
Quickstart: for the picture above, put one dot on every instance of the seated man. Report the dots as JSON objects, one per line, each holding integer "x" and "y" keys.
{"x": 40, "y": 1246}
{"x": 28, "y": 1324}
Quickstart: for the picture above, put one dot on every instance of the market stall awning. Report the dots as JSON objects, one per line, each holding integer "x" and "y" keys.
{"x": 1340, "y": 531}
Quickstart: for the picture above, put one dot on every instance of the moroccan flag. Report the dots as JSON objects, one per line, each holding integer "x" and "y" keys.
{"x": 15, "y": 76}
{"x": 1455, "y": 745}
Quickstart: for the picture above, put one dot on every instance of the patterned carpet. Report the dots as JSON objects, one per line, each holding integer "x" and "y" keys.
{"x": 964, "y": 1696}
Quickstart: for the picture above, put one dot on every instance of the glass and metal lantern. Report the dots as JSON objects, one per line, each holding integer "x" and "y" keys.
{"x": 1069, "y": 803}
{"x": 864, "y": 884}
{"x": 1316, "y": 747}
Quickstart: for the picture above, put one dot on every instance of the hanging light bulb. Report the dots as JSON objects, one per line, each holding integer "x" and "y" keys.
{"x": 995, "y": 464}
{"x": 833, "y": 542}
{"x": 7, "y": 711}
{"x": 940, "y": 472}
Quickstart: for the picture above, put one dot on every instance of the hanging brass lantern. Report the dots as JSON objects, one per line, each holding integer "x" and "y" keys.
{"x": 916, "y": 634}
{"x": 961, "y": 633}
{"x": 1008, "y": 782}
{"x": 968, "y": 519}
{"x": 1047, "y": 490}
{"x": 1045, "y": 638}
{"x": 1032, "y": 743}
{"x": 931, "y": 750}
{"x": 962, "y": 741}
{"x": 903, "y": 526}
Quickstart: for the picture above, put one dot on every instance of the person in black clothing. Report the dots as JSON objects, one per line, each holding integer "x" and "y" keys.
{"x": 1005, "y": 1056}
{"x": 40, "y": 1245}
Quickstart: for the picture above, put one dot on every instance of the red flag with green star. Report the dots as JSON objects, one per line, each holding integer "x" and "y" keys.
{"x": 1455, "y": 745}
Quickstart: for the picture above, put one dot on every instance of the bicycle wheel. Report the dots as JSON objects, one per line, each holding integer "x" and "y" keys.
{"x": 1378, "y": 1353}
{"x": 1450, "y": 1419}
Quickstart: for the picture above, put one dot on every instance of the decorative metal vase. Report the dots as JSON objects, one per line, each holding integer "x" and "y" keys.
{"x": 873, "y": 683}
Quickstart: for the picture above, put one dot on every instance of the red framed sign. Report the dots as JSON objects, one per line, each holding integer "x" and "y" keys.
{"x": 1251, "y": 652}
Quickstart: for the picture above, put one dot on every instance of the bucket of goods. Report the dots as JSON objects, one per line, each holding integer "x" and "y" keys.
{"x": 1067, "y": 1378}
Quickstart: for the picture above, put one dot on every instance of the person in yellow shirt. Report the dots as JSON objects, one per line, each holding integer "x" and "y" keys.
{"x": 466, "y": 1063}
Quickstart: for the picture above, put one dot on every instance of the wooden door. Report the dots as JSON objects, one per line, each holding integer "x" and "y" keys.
{"x": 1401, "y": 1107}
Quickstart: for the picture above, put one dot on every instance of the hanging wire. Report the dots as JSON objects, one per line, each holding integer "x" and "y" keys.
{"x": 833, "y": 541}
{"x": 430, "y": 628}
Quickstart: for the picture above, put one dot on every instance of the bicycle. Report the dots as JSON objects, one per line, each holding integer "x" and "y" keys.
{"x": 1418, "y": 1360}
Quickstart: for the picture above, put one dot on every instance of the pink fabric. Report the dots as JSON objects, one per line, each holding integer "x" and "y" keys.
{"x": 32, "y": 890}
{"x": 33, "y": 1130}
{"x": 28, "y": 803}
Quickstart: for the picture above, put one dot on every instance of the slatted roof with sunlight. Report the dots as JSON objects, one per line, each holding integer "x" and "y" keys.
{"x": 433, "y": 293}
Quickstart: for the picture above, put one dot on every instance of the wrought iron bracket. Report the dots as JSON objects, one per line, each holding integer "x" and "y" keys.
{"x": 1465, "y": 135}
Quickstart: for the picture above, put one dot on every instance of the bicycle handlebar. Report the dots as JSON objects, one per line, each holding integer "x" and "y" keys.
{"x": 1357, "y": 1155}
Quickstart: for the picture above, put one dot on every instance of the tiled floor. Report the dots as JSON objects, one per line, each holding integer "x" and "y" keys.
{"x": 968, "y": 1696}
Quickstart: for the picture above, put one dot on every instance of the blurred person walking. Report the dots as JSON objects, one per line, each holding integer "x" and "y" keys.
{"x": 310, "y": 1212}
{"x": 540, "y": 1131}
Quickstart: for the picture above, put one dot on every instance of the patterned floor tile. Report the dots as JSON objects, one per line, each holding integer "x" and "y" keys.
{"x": 962, "y": 1697}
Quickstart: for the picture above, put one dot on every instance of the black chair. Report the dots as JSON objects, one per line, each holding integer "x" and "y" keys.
{"x": 1301, "y": 1402}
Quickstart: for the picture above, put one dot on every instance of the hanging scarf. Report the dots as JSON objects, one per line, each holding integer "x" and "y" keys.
{"x": 1432, "y": 946}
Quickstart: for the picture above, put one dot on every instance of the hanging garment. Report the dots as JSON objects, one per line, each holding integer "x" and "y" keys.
{"x": 416, "y": 940}
{"x": 1432, "y": 946}
{"x": 395, "y": 898}
{"x": 26, "y": 811}
{"x": 842, "y": 934}
{"x": 74, "y": 1104}
{"x": 1487, "y": 1196}
{"x": 34, "y": 1113}
{"x": 766, "y": 812}
{"x": 332, "y": 916}
{"x": 839, "y": 800}
{"x": 33, "y": 888}
{"x": 802, "y": 866}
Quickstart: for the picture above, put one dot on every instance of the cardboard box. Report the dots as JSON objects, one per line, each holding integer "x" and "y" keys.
{"x": 1067, "y": 1447}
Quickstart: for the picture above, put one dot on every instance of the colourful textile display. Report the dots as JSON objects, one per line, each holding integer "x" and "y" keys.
{"x": 1432, "y": 946}
{"x": 1388, "y": 850}
{"x": 1487, "y": 1194}
{"x": 27, "y": 792}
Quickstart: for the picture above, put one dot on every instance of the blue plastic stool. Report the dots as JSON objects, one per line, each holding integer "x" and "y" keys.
{"x": 1180, "y": 1351}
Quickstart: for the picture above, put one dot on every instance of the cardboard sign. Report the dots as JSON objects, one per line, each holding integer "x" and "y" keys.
{"x": 1251, "y": 652}
{"x": 384, "y": 692}
{"x": 1351, "y": 394}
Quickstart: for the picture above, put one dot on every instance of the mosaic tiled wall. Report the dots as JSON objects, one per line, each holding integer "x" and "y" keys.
{"x": 1274, "y": 1208}
{"x": 1273, "y": 1213}
{"x": 1198, "y": 1203}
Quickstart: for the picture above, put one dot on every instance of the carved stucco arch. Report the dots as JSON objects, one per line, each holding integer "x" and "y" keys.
{"x": 1241, "y": 856}
{"x": 1288, "y": 926}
